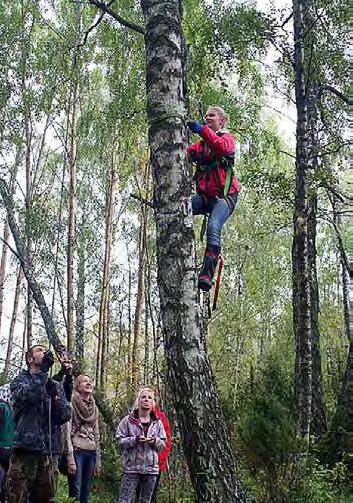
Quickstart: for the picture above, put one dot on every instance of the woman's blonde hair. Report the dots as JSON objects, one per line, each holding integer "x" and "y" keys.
{"x": 220, "y": 112}
{"x": 141, "y": 390}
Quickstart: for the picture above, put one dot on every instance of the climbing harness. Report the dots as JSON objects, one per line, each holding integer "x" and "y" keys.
{"x": 226, "y": 162}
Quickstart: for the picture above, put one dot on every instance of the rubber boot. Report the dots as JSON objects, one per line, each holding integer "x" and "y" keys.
{"x": 208, "y": 267}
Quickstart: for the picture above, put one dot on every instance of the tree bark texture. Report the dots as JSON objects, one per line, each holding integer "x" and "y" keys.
{"x": 301, "y": 277}
{"x": 318, "y": 413}
{"x": 200, "y": 418}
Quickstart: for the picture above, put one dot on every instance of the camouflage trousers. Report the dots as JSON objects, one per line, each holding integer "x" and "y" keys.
{"x": 32, "y": 474}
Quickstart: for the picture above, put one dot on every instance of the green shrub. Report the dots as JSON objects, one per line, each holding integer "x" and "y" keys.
{"x": 266, "y": 430}
{"x": 323, "y": 485}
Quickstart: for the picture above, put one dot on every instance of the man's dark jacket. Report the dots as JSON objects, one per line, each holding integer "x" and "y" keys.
{"x": 32, "y": 407}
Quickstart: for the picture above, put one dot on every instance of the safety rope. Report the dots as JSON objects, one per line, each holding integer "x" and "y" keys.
{"x": 171, "y": 115}
{"x": 218, "y": 281}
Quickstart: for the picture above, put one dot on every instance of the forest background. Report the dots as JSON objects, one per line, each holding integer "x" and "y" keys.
{"x": 75, "y": 151}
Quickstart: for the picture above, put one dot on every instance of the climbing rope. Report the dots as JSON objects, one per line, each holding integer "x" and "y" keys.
{"x": 218, "y": 282}
{"x": 171, "y": 115}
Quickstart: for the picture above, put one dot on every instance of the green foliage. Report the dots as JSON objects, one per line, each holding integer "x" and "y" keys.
{"x": 266, "y": 429}
{"x": 322, "y": 485}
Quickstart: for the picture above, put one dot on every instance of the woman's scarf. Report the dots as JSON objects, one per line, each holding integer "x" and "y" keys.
{"x": 84, "y": 409}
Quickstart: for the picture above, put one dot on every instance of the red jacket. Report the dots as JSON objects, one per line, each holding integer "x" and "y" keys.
{"x": 212, "y": 146}
{"x": 162, "y": 455}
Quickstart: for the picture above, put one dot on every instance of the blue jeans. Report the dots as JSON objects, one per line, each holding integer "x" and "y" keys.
{"x": 80, "y": 483}
{"x": 218, "y": 210}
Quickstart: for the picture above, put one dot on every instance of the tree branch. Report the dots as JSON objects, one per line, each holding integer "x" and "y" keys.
{"x": 32, "y": 283}
{"x": 288, "y": 18}
{"x": 94, "y": 25}
{"x": 143, "y": 200}
{"x": 38, "y": 296}
{"x": 338, "y": 93}
{"x": 128, "y": 24}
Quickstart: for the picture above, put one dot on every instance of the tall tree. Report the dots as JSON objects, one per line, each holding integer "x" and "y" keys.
{"x": 211, "y": 464}
{"x": 301, "y": 286}
{"x": 71, "y": 146}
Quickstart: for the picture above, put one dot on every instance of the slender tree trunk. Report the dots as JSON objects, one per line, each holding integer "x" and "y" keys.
{"x": 71, "y": 234}
{"x": 6, "y": 234}
{"x": 13, "y": 322}
{"x": 318, "y": 415}
{"x": 150, "y": 315}
{"x": 211, "y": 463}
{"x": 344, "y": 263}
{"x": 72, "y": 158}
{"x": 301, "y": 285}
{"x": 3, "y": 265}
{"x": 129, "y": 332}
{"x": 105, "y": 296}
{"x": 80, "y": 305}
{"x": 25, "y": 41}
{"x": 136, "y": 349}
{"x": 147, "y": 342}
{"x": 341, "y": 433}
{"x": 71, "y": 228}
{"x": 318, "y": 421}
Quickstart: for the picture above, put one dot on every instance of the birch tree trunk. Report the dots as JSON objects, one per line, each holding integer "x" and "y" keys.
{"x": 318, "y": 421}
{"x": 200, "y": 418}
{"x": 27, "y": 126}
{"x": 301, "y": 285}
{"x": 72, "y": 155}
{"x": 71, "y": 232}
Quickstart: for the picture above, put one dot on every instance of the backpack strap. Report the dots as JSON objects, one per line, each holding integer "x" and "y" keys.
{"x": 228, "y": 181}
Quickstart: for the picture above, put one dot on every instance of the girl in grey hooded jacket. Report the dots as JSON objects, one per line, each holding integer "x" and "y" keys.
{"x": 139, "y": 436}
